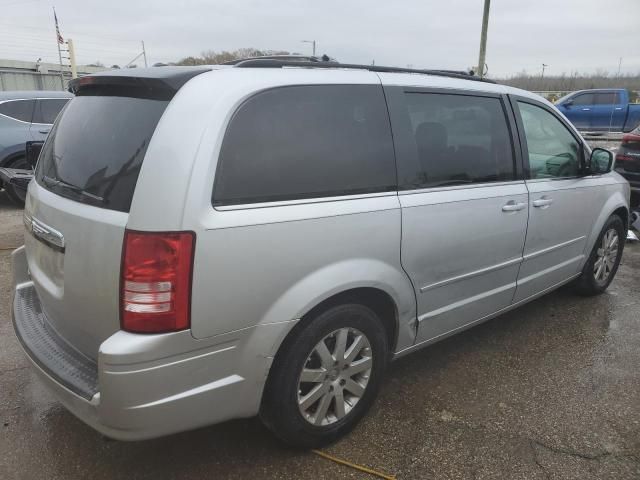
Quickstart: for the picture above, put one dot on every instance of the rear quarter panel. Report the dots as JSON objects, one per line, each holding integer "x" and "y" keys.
{"x": 275, "y": 264}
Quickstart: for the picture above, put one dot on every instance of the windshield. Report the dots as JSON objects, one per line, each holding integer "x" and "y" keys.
{"x": 95, "y": 150}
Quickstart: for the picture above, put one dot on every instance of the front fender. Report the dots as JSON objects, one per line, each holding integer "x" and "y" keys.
{"x": 615, "y": 200}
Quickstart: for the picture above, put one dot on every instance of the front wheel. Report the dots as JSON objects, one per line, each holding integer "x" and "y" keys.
{"x": 604, "y": 259}
{"x": 326, "y": 377}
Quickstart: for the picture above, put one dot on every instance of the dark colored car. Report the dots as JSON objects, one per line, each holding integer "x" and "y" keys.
{"x": 627, "y": 163}
{"x": 26, "y": 116}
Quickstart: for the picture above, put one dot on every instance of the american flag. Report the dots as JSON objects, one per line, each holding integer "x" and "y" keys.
{"x": 58, "y": 34}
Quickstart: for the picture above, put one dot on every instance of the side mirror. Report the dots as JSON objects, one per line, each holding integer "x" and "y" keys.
{"x": 568, "y": 103}
{"x": 601, "y": 161}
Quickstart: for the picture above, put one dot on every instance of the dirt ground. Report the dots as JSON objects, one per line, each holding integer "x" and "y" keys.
{"x": 548, "y": 391}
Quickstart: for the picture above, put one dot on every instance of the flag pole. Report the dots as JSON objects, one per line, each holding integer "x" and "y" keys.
{"x": 58, "y": 37}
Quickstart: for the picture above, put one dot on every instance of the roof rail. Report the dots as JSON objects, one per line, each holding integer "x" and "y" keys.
{"x": 275, "y": 63}
{"x": 283, "y": 58}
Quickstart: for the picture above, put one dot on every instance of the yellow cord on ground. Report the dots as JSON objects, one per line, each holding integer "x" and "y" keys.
{"x": 354, "y": 465}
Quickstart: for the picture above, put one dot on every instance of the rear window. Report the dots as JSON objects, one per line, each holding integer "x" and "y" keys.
{"x": 18, "y": 109}
{"x": 305, "y": 142}
{"x": 95, "y": 150}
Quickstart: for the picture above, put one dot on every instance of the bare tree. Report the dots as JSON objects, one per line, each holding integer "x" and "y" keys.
{"x": 212, "y": 57}
{"x": 573, "y": 81}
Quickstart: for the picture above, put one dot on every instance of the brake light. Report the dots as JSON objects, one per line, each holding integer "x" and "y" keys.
{"x": 155, "y": 284}
{"x": 630, "y": 139}
{"x": 623, "y": 158}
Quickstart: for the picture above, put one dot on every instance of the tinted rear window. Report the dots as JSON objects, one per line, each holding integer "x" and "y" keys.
{"x": 95, "y": 150}
{"x": 18, "y": 109}
{"x": 305, "y": 142}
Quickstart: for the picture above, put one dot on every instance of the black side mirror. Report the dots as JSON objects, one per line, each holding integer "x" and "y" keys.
{"x": 568, "y": 103}
{"x": 601, "y": 161}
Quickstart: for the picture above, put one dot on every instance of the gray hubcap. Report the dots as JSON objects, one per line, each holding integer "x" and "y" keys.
{"x": 606, "y": 256}
{"x": 334, "y": 376}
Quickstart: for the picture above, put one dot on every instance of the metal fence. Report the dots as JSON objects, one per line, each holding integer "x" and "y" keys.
{"x": 30, "y": 81}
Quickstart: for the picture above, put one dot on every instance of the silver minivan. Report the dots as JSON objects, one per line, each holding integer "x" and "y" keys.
{"x": 209, "y": 243}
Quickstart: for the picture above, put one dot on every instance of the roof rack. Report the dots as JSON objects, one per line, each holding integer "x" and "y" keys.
{"x": 282, "y": 58}
{"x": 263, "y": 62}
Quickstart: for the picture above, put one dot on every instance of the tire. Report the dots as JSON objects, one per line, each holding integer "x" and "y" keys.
{"x": 17, "y": 195}
{"x": 288, "y": 406}
{"x": 592, "y": 280}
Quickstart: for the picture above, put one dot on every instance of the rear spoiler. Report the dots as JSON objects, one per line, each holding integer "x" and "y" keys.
{"x": 157, "y": 83}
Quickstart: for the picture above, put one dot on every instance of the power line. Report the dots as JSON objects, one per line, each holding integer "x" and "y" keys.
{"x": 33, "y": 39}
{"x": 20, "y": 2}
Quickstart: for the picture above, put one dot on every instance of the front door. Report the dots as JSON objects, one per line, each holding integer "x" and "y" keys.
{"x": 562, "y": 200}
{"x": 580, "y": 110}
{"x": 464, "y": 212}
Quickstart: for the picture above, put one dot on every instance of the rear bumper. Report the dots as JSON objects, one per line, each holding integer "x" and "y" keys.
{"x": 146, "y": 386}
{"x": 16, "y": 177}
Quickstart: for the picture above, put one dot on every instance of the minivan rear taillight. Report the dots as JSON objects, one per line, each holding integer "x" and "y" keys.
{"x": 155, "y": 283}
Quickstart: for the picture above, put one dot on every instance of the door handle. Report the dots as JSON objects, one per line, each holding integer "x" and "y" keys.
{"x": 44, "y": 131}
{"x": 512, "y": 206}
{"x": 618, "y": 108}
{"x": 542, "y": 202}
{"x": 586, "y": 109}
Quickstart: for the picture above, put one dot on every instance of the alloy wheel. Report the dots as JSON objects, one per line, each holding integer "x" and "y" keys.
{"x": 606, "y": 256}
{"x": 335, "y": 376}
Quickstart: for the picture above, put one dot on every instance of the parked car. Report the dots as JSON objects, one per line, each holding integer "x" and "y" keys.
{"x": 25, "y": 116}
{"x": 17, "y": 180}
{"x": 605, "y": 109}
{"x": 627, "y": 161}
{"x": 210, "y": 243}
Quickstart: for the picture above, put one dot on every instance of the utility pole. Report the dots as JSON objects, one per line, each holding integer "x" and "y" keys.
{"x": 72, "y": 59}
{"x": 59, "y": 41}
{"x": 544, "y": 65}
{"x": 144, "y": 54}
{"x": 61, "y": 71}
{"x": 483, "y": 38}
{"x": 313, "y": 43}
{"x": 619, "y": 67}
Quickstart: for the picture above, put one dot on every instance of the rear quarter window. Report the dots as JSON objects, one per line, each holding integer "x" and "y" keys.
{"x": 304, "y": 142}
{"x": 18, "y": 109}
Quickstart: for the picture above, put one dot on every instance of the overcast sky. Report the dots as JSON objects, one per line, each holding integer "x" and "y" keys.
{"x": 568, "y": 35}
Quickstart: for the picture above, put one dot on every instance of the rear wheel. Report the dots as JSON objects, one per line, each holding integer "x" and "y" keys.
{"x": 326, "y": 377}
{"x": 603, "y": 262}
{"x": 17, "y": 195}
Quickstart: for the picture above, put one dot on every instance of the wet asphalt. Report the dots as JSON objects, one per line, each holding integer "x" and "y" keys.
{"x": 548, "y": 391}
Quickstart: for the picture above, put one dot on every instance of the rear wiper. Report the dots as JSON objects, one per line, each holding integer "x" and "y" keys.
{"x": 53, "y": 182}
